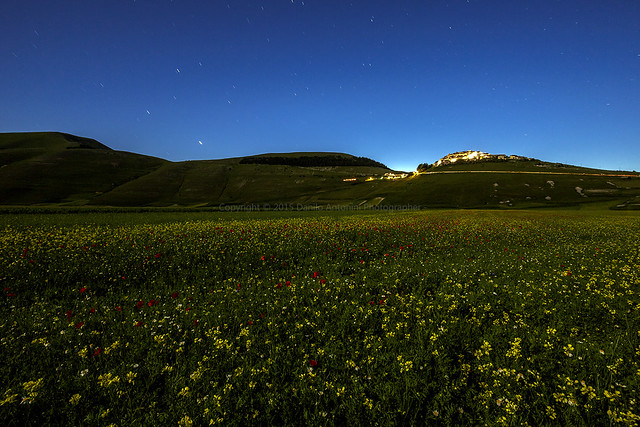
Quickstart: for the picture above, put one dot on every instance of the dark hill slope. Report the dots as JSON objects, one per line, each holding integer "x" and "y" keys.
{"x": 229, "y": 181}
{"x": 56, "y": 167}
{"x": 183, "y": 183}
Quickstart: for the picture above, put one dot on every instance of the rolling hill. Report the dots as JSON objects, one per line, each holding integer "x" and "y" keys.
{"x": 58, "y": 169}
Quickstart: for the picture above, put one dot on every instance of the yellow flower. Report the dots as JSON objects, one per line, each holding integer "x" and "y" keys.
{"x": 185, "y": 422}
{"x": 131, "y": 376}
{"x": 368, "y": 403}
{"x": 514, "y": 351}
{"x": 83, "y": 352}
{"x": 112, "y": 347}
{"x": 32, "y": 387}
{"x": 216, "y": 400}
{"x": 551, "y": 413}
{"x": 9, "y": 399}
{"x": 74, "y": 399}
{"x": 105, "y": 380}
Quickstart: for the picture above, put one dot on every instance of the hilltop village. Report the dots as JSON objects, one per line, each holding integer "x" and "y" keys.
{"x": 470, "y": 156}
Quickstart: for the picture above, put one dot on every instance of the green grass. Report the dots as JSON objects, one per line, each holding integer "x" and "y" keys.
{"x": 43, "y": 168}
{"x": 54, "y": 168}
{"x": 517, "y": 190}
{"x": 517, "y": 165}
{"x": 64, "y": 170}
{"x": 433, "y": 317}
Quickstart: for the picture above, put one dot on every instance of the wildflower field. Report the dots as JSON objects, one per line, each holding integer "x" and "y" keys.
{"x": 441, "y": 317}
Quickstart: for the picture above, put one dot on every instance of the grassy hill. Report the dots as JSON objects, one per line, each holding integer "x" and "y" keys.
{"x": 63, "y": 169}
{"x": 518, "y": 189}
{"x": 38, "y": 168}
{"x": 211, "y": 182}
{"x": 56, "y": 168}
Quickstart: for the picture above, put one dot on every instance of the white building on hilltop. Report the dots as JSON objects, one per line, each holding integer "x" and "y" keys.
{"x": 462, "y": 156}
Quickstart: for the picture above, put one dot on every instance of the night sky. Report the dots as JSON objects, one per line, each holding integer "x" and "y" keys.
{"x": 402, "y": 82}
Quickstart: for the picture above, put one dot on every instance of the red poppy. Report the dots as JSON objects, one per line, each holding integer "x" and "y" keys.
{"x": 82, "y": 289}
{"x": 250, "y": 322}
{"x": 279, "y": 285}
{"x": 313, "y": 362}
{"x": 315, "y": 274}
{"x": 97, "y": 352}
{"x": 92, "y": 310}
{"x": 69, "y": 314}
{"x": 79, "y": 325}
{"x": 140, "y": 304}
{"x": 138, "y": 323}
{"x": 118, "y": 308}
{"x": 174, "y": 295}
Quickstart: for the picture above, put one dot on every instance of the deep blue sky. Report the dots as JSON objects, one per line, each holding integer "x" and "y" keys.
{"x": 403, "y": 82}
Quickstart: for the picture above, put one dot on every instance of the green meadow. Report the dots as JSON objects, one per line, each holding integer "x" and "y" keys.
{"x": 320, "y": 318}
